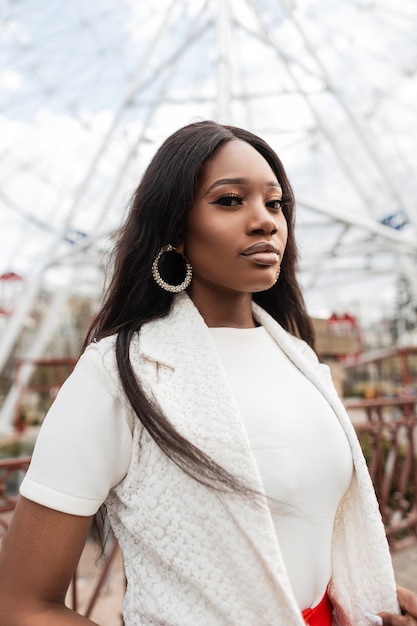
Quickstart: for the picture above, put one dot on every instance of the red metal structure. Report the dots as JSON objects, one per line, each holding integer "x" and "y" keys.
{"x": 383, "y": 386}
{"x": 9, "y": 281}
{"x": 48, "y": 376}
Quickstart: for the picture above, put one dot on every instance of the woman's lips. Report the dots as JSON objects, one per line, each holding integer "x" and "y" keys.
{"x": 263, "y": 258}
{"x": 263, "y": 253}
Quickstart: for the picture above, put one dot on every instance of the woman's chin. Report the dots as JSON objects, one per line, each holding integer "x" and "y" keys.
{"x": 265, "y": 285}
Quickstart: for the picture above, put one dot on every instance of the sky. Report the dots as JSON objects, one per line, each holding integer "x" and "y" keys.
{"x": 88, "y": 90}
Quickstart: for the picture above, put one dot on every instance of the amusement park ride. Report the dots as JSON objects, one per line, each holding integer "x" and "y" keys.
{"x": 330, "y": 85}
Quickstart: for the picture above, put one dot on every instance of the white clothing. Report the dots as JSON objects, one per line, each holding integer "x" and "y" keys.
{"x": 85, "y": 443}
{"x": 194, "y": 555}
{"x": 300, "y": 448}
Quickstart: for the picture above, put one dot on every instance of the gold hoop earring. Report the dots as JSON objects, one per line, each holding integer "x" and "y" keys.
{"x": 157, "y": 276}
{"x": 277, "y": 276}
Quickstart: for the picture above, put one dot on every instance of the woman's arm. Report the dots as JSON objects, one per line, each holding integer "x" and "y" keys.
{"x": 37, "y": 561}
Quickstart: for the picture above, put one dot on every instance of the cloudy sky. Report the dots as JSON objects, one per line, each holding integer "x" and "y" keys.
{"x": 88, "y": 90}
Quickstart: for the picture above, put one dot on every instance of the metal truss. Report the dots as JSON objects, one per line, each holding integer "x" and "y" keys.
{"x": 91, "y": 91}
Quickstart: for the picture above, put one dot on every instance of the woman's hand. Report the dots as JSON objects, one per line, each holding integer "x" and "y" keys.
{"x": 408, "y": 604}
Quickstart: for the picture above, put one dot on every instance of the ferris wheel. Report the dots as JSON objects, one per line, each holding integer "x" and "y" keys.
{"x": 89, "y": 90}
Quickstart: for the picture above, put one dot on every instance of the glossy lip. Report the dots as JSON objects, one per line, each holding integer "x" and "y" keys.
{"x": 261, "y": 246}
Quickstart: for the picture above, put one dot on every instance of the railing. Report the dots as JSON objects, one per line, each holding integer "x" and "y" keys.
{"x": 388, "y": 435}
{"x": 11, "y": 474}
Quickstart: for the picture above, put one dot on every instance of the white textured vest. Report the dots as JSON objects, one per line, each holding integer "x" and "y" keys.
{"x": 197, "y": 557}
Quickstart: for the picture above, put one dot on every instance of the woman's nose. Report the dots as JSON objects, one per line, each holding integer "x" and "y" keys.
{"x": 262, "y": 221}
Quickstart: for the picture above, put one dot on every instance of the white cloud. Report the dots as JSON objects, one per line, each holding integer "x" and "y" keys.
{"x": 10, "y": 80}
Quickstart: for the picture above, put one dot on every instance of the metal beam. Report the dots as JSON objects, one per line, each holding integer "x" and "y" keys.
{"x": 224, "y": 62}
{"x": 363, "y": 132}
{"x": 401, "y": 238}
{"x": 16, "y": 322}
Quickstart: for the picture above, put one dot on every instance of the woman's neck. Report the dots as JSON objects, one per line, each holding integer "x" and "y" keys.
{"x": 224, "y": 309}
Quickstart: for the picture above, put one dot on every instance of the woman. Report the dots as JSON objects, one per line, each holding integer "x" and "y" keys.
{"x": 199, "y": 415}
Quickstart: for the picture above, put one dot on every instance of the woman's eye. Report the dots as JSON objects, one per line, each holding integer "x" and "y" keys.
{"x": 276, "y": 204}
{"x": 229, "y": 200}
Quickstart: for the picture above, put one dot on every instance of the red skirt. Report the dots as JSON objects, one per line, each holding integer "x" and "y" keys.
{"x": 320, "y": 615}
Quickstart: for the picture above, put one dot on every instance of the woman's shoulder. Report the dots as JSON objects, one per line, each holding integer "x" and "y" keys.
{"x": 281, "y": 335}
{"x": 298, "y": 350}
{"x": 101, "y": 352}
{"x": 98, "y": 362}
{"x": 303, "y": 346}
{"x": 100, "y": 356}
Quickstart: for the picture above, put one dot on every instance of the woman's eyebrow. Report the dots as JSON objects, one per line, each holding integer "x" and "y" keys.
{"x": 238, "y": 181}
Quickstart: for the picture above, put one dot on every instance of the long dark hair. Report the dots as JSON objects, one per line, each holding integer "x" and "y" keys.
{"x": 156, "y": 218}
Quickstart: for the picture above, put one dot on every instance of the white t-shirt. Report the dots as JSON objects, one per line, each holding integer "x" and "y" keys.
{"x": 301, "y": 450}
{"x": 85, "y": 444}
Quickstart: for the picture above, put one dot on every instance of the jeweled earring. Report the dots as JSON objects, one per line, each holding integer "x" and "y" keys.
{"x": 277, "y": 276}
{"x": 157, "y": 276}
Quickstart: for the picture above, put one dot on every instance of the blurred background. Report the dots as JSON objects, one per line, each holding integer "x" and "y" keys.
{"x": 88, "y": 91}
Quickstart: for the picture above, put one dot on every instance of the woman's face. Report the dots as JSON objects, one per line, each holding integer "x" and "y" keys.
{"x": 235, "y": 232}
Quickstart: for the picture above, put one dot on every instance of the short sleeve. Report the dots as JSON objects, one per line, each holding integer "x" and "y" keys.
{"x": 84, "y": 445}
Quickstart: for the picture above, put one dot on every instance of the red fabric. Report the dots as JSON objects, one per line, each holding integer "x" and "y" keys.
{"x": 320, "y": 615}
